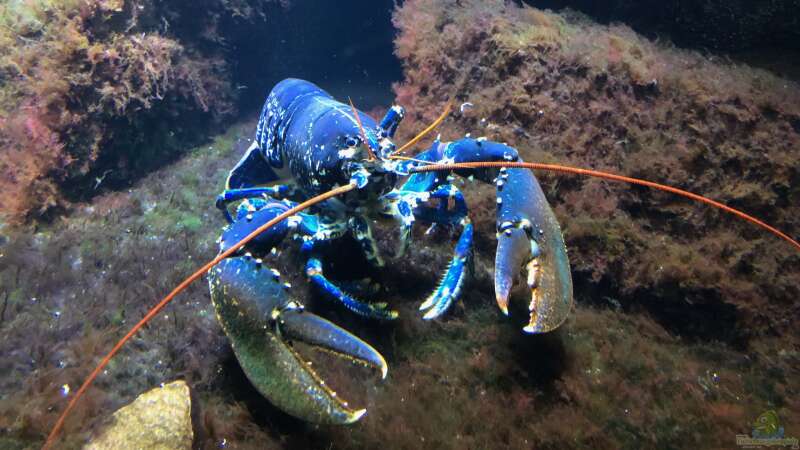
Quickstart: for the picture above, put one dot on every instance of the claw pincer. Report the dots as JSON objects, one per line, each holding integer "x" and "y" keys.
{"x": 261, "y": 322}
{"x": 528, "y": 234}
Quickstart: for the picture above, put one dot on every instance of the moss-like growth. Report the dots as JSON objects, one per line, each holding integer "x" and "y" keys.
{"x": 96, "y": 92}
{"x": 562, "y": 89}
{"x": 66, "y": 292}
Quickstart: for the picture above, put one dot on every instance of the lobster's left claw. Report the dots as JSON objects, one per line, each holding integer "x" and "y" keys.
{"x": 316, "y": 331}
{"x": 262, "y": 322}
{"x": 308, "y": 396}
{"x": 528, "y": 234}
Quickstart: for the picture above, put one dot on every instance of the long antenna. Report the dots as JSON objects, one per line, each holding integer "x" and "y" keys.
{"x": 613, "y": 177}
{"x": 182, "y": 286}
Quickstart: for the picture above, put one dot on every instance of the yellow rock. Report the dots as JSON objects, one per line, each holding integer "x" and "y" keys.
{"x": 159, "y": 419}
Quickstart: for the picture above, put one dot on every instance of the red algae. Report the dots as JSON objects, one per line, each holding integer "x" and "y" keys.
{"x": 85, "y": 82}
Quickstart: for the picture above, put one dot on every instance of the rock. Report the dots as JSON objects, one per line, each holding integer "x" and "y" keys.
{"x": 701, "y": 124}
{"x": 159, "y": 419}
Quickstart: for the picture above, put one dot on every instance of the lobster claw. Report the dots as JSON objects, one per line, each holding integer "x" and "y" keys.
{"x": 261, "y": 323}
{"x": 528, "y": 234}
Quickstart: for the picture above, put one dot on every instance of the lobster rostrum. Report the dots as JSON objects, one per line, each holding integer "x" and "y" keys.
{"x": 319, "y": 143}
{"x": 346, "y": 171}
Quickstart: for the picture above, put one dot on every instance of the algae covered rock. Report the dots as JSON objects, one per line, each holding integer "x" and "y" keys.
{"x": 563, "y": 89}
{"x": 94, "y": 93}
{"x": 157, "y": 419}
{"x": 733, "y": 25}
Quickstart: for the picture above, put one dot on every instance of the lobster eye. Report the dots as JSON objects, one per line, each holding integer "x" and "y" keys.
{"x": 351, "y": 142}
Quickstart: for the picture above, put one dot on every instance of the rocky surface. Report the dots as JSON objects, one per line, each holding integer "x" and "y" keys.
{"x": 99, "y": 92}
{"x": 734, "y": 26}
{"x": 565, "y": 90}
{"x": 159, "y": 419}
{"x": 611, "y": 377}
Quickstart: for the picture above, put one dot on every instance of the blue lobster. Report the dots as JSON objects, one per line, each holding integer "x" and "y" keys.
{"x": 305, "y": 135}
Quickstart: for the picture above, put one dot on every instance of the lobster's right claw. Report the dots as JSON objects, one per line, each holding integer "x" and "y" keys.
{"x": 261, "y": 323}
{"x": 528, "y": 234}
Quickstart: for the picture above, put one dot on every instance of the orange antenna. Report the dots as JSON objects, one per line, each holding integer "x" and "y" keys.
{"x": 156, "y": 309}
{"x": 613, "y": 177}
{"x": 361, "y": 130}
{"x": 406, "y": 158}
{"x": 430, "y": 128}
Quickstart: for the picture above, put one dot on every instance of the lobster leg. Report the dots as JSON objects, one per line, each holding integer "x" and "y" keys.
{"x": 313, "y": 232}
{"x": 453, "y": 280}
{"x": 400, "y": 205}
{"x": 527, "y": 230}
{"x": 408, "y": 207}
{"x": 232, "y": 195}
{"x": 378, "y": 311}
{"x": 317, "y": 235}
{"x": 363, "y": 235}
{"x": 450, "y": 286}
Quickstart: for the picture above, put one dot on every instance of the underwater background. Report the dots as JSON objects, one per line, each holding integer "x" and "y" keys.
{"x": 120, "y": 120}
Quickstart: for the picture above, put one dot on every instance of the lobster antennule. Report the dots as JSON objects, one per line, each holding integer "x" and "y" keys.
{"x": 180, "y": 288}
{"x": 361, "y": 130}
{"x": 424, "y": 132}
{"x": 614, "y": 177}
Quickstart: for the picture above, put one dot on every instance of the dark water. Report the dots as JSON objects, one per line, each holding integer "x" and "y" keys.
{"x": 345, "y": 47}
{"x": 682, "y": 333}
{"x": 734, "y": 26}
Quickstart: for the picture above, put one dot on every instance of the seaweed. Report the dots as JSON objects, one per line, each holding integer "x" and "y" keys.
{"x": 71, "y": 288}
{"x": 563, "y": 89}
{"x": 101, "y": 91}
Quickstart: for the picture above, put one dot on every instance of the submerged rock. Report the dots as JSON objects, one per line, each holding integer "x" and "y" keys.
{"x": 158, "y": 419}
{"x": 561, "y": 88}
